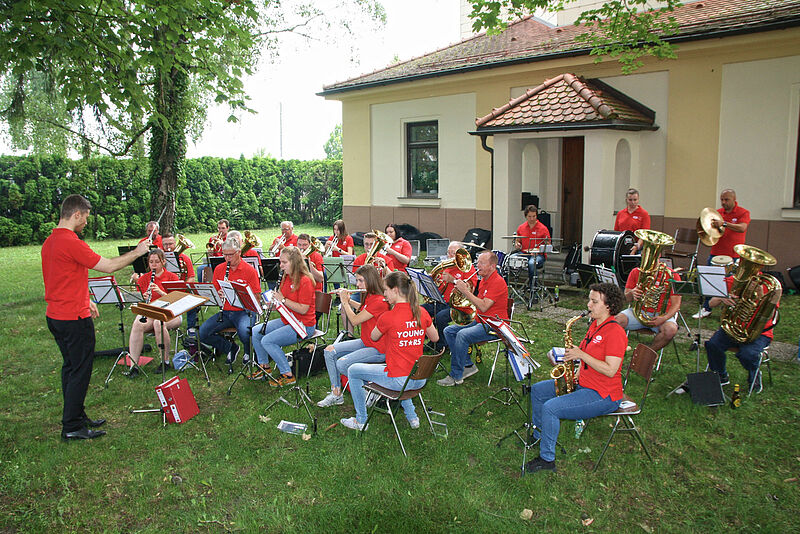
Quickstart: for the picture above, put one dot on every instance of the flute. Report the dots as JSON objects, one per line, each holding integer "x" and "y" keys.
{"x": 342, "y": 289}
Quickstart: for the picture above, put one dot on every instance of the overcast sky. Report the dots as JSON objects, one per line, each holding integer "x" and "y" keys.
{"x": 413, "y": 27}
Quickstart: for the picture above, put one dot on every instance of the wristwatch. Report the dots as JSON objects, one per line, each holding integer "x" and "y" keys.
{"x": 283, "y": 300}
{"x": 725, "y": 224}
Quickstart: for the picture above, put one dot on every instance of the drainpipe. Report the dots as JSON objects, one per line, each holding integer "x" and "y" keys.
{"x": 490, "y": 150}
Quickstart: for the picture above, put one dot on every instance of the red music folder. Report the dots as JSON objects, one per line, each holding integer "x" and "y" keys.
{"x": 177, "y": 400}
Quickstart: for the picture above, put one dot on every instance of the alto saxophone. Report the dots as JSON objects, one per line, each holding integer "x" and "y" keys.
{"x": 564, "y": 374}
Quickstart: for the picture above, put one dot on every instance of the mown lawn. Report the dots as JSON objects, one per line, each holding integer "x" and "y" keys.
{"x": 230, "y": 469}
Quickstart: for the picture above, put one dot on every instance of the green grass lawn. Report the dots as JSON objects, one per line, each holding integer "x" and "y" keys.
{"x": 230, "y": 469}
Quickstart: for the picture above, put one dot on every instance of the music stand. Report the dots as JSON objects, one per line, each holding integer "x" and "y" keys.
{"x": 173, "y": 265}
{"x": 335, "y": 272}
{"x": 425, "y": 285}
{"x": 140, "y": 263}
{"x": 250, "y": 302}
{"x": 270, "y": 270}
{"x": 606, "y": 275}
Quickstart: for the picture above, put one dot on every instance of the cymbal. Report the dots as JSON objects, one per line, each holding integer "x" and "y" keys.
{"x": 469, "y": 244}
{"x": 707, "y": 233}
{"x": 513, "y": 237}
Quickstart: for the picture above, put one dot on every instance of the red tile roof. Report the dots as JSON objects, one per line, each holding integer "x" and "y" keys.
{"x": 568, "y": 101}
{"x": 530, "y": 40}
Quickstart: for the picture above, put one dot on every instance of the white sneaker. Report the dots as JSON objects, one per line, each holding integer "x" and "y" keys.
{"x": 372, "y": 399}
{"x": 331, "y": 400}
{"x": 449, "y": 381}
{"x": 414, "y": 423}
{"x": 702, "y": 313}
{"x": 469, "y": 371}
{"x": 350, "y": 422}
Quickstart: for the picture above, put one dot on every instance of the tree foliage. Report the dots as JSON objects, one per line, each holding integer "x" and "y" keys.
{"x": 254, "y": 193}
{"x": 333, "y": 146}
{"x": 626, "y": 30}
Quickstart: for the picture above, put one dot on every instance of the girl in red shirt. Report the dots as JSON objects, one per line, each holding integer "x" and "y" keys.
{"x": 340, "y": 242}
{"x": 154, "y": 288}
{"x": 340, "y": 356}
{"x": 599, "y": 388}
{"x": 403, "y": 330}
{"x": 297, "y": 294}
{"x": 399, "y": 253}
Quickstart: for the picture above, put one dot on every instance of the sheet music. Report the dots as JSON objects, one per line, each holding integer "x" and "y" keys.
{"x": 129, "y": 297}
{"x": 183, "y": 304}
{"x": 285, "y": 312}
{"x": 606, "y": 275}
{"x": 712, "y": 281}
{"x": 425, "y": 285}
{"x": 208, "y": 291}
{"x": 173, "y": 265}
{"x": 255, "y": 305}
{"x": 103, "y": 292}
{"x": 347, "y": 261}
{"x": 230, "y": 293}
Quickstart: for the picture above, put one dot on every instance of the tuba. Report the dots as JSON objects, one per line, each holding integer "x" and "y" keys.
{"x": 462, "y": 311}
{"x": 181, "y": 244}
{"x": 381, "y": 240}
{"x": 564, "y": 373}
{"x": 757, "y": 295}
{"x": 250, "y": 240}
{"x": 654, "y": 277}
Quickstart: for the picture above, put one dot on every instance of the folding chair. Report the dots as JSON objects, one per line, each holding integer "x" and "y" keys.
{"x": 641, "y": 363}
{"x": 647, "y": 331}
{"x": 686, "y": 246}
{"x": 322, "y": 305}
{"x": 423, "y": 370}
{"x": 764, "y": 358}
{"x": 497, "y": 341}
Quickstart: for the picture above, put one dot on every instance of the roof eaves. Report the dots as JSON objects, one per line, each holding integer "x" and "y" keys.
{"x": 612, "y": 124}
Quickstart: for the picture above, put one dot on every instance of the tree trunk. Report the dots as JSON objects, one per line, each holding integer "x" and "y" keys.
{"x": 168, "y": 144}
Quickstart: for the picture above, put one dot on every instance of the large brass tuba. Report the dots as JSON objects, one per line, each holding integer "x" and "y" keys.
{"x": 757, "y": 295}
{"x": 250, "y": 240}
{"x": 564, "y": 374}
{"x": 381, "y": 240}
{"x": 654, "y": 277}
{"x": 462, "y": 311}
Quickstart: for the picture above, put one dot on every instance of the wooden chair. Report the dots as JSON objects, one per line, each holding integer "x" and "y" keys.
{"x": 641, "y": 363}
{"x": 423, "y": 370}
{"x": 686, "y": 246}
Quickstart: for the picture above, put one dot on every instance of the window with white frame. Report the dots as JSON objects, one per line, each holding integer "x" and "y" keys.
{"x": 422, "y": 159}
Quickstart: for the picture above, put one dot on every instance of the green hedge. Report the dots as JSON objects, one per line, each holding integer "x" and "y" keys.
{"x": 254, "y": 193}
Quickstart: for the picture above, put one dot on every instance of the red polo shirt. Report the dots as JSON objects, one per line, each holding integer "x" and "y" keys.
{"x": 376, "y": 306}
{"x": 66, "y": 261}
{"x": 144, "y": 282}
{"x": 458, "y": 274}
{"x": 534, "y": 237}
{"x": 403, "y": 338}
{"x": 633, "y": 279}
{"x": 304, "y": 294}
{"x": 343, "y": 243}
{"x": 496, "y": 289}
{"x": 607, "y": 339}
{"x": 243, "y": 273}
{"x": 730, "y": 238}
{"x": 638, "y": 220}
{"x": 403, "y": 247}
{"x": 315, "y": 258}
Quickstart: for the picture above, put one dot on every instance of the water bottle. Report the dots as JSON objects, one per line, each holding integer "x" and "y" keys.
{"x": 555, "y": 297}
{"x": 580, "y": 424}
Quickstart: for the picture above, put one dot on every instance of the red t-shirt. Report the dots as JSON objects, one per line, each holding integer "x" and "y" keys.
{"x": 243, "y": 273}
{"x": 730, "y": 238}
{"x": 304, "y": 295}
{"x": 403, "y": 247}
{"x": 343, "y": 243}
{"x": 403, "y": 338}
{"x": 769, "y": 326}
{"x": 185, "y": 260}
{"x": 637, "y": 220}
{"x": 359, "y": 261}
{"x": 316, "y": 259}
{"x": 534, "y": 237}
{"x": 290, "y": 241}
{"x": 376, "y": 306}
{"x": 633, "y": 279}
{"x": 458, "y": 274}
{"x": 157, "y": 241}
{"x": 217, "y": 250}
{"x": 144, "y": 282}
{"x": 494, "y": 288}
{"x": 66, "y": 261}
{"x": 608, "y": 339}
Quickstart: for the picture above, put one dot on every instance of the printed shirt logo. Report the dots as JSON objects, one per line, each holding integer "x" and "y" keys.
{"x": 597, "y": 339}
{"x": 734, "y": 219}
{"x": 636, "y": 217}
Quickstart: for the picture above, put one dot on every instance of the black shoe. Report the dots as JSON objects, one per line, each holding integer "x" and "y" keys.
{"x": 133, "y": 372}
{"x": 162, "y": 368}
{"x": 83, "y": 433}
{"x": 537, "y": 464}
{"x": 232, "y": 354}
{"x": 94, "y": 423}
{"x": 724, "y": 380}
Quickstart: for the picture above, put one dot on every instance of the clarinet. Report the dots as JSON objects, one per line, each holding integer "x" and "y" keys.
{"x": 227, "y": 272}
{"x": 148, "y": 293}
{"x": 269, "y": 311}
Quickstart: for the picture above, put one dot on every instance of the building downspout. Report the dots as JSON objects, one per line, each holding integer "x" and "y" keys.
{"x": 490, "y": 150}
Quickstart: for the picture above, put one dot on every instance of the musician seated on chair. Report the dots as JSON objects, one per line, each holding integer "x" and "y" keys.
{"x": 535, "y": 234}
{"x": 446, "y": 279}
{"x": 315, "y": 264}
{"x": 340, "y": 242}
{"x": 340, "y": 356}
{"x": 748, "y": 352}
{"x": 296, "y": 294}
{"x": 379, "y": 261}
{"x": 399, "y": 253}
{"x": 187, "y": 275}
{"x": 214, "y": 247}
{"x": 402, "y": 330}
{"x": 286, "y": 239}
{"x": 490, "y": 299}
{"x": 235, "y": 270}
{"x": 152, "y": 228}
{"x": 153, "y": 288}
{"x": 663, "y": 325}
{"x": 599, "y": 387}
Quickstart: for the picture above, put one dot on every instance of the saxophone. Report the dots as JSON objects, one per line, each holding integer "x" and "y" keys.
{"x": 758, "y": 295}
{"x": 564, "y": 373}
{"x": 654, "y": 277}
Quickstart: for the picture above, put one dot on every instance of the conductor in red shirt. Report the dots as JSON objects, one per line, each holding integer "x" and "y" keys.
{"x": 632, "y": 218}
{"x": 66, "y": 261}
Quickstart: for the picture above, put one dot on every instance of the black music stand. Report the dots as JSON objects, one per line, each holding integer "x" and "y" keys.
{"x": 207, "y": 290}
{"x": 140, "y": 263}
{"x": 104, "y": 290}
{"x": 270, "y": 271}
{"x": 250, "y": 302}
{"x": 425, "y": 285}
{"x": 173, "y": 265}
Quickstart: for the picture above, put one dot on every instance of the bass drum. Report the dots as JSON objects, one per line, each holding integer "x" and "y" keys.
{"x": 608, "y": 247}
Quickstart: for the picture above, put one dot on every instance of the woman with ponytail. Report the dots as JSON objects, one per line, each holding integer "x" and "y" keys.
{"x": 403, "y": 330}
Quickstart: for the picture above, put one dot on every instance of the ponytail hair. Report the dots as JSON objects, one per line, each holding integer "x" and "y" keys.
{"x": 299, "y": 268}
{"x": 372, "y": 279}
{"x": 406, "y": 287}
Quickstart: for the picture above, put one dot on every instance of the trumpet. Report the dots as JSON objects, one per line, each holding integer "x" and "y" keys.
{"x": 276, "y": 248}
{"x": 250, "y": 241}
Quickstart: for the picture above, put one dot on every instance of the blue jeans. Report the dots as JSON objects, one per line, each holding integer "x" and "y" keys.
{"x": 240, "y": 319}
{"x": 360, "y": 373}
{"x": 340, "y": 356}
{"x": 534, "y": 263}
{"x": 441, "y": 318}
{"x": 191, "y": 318}
{"x": 268, "y": 345}
{"x": 547, "y": 410}
{"x": 749, "y": 353}
{"x": 459, "y": 338}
